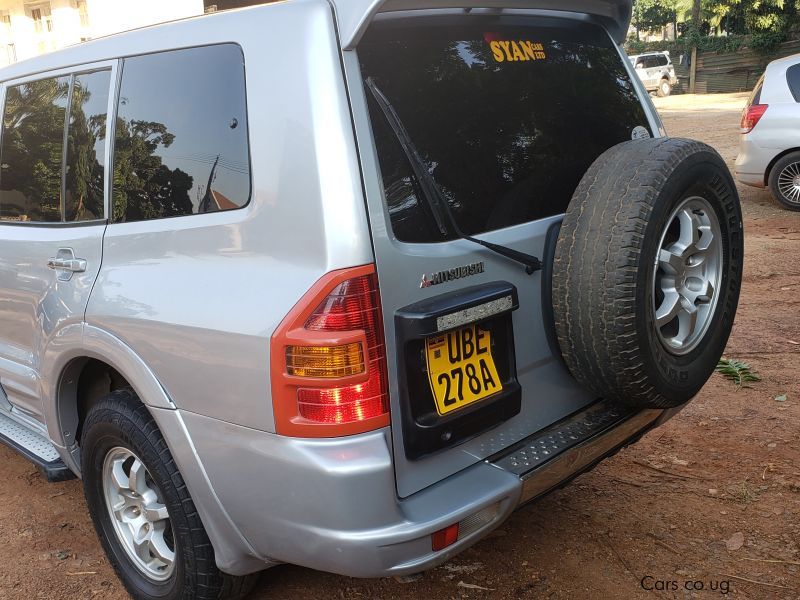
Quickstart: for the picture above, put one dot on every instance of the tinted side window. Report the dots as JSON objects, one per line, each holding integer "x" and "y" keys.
{"x": 793, "y": 79}
{"x": 86, "y": 147}
{"x": 662, "y": 60}
{"x": 32, "y": 147}
{"x": 181, "y": 134}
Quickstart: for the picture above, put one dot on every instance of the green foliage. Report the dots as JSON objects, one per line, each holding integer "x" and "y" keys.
{"x": 737, "y": 371}
{"x": 652, "y": 14}
{"x": 767, "y": 19}
{"x": 766, "y": 42}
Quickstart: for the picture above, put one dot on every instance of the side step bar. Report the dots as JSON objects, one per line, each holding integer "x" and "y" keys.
{"x": 35, "y": 447}
{"x": 552, "y": 457}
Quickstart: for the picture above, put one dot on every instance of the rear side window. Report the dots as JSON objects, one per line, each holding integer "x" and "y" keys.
{"x": 793, "y": 79}
{"x": 181, "y": 134}
{"x": 755, "y": 95}
{"x": 506, "y": 113}
{"x": 662, "y": 60}
{"x": 32, "y": 147}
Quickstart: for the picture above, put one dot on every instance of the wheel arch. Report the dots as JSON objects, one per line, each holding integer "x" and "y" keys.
{"x": 66, "y": 358}
{"x": 77, "y": 349}
{"x": 774, "y": 161}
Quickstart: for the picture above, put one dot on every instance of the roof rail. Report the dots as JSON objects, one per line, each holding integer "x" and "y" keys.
{"x": 354, "y": 16}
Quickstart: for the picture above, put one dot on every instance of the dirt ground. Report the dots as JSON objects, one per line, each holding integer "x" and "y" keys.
{"x": 709, "y": 501}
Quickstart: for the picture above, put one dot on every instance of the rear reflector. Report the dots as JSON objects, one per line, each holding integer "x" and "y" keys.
{"x": 444, "y": 537}
{"x": 751, "y": 116}
{"x": 466, "y": 527}
{"x": 329, "y": 359}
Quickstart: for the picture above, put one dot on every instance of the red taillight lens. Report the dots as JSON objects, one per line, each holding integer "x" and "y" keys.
{"x": 320, "y": 386}
{"x": 751, "y": 116}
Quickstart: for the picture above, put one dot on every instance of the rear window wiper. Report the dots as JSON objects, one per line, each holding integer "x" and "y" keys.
{"x": 431, "y": 193}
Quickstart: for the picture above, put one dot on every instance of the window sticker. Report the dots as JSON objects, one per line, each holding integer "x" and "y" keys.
{"x": 514, "y": 50}
{"x": 639, "y": 133}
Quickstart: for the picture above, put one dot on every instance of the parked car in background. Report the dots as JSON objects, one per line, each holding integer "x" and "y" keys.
{"x": 656, "y": 71}
{"x": 769, "y": 149}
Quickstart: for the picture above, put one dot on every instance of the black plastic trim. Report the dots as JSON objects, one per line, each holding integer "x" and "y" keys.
{"x": 424, "y": 431}
{"x": 52, "y": 471}
{"x": 548, "y": 316}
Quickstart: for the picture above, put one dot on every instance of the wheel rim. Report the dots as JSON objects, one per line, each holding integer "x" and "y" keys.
{"x": 665, "y": 88}
{"x": 789, "y": 183}
{"x": 687, "y": 275}
{"x": 138, "y": 514}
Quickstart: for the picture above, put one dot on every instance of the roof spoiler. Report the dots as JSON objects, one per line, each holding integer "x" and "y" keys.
{"x": 354, "y": 16}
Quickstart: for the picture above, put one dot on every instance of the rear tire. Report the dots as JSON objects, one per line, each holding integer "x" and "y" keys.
{"x": 784, "y": 181}
{"x": 148, "y": 525}
{"x": 664, "y": 88}
{"x": 647, "y": 271}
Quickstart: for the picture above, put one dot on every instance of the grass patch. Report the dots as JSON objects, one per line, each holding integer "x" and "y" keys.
{"x": 739, "y": 372}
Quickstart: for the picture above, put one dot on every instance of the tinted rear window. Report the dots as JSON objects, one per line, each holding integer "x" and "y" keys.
{"x": 507, "y": 115}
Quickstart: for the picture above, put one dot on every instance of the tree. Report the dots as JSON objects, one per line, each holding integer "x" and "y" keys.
{"x": 144, "y": 187}
{"x": 651, "y": 15}
{"x": 33, "y": 137}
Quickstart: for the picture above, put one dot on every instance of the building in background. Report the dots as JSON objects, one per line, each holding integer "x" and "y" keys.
{"x": 31, "y": 27}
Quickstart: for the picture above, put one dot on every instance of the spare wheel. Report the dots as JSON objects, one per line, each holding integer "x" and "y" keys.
{"x": 647, "y": 271}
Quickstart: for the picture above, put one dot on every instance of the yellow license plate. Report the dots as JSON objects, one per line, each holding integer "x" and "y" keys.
{"x": 461, "y": 368}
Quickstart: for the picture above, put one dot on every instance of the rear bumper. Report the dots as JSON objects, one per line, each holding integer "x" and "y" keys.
{"x": 331, "y": 504}
{"x": 752, "y": 162}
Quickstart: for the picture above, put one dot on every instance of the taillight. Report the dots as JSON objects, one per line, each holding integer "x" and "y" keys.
{"x": 329, "y": 359}
{"x": 751, "y": 116}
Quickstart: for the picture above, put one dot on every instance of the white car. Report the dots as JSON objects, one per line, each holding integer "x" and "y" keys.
{"x": 656, "y": 71}
{"x": 769, "y": 150}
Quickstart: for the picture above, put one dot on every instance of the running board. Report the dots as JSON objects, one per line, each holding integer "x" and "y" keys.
{"x": 35, "y": 447}
{"x": 550, "y": 458}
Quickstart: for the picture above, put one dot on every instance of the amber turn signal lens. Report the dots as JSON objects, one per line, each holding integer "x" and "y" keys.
{"x": 325, "y": 362}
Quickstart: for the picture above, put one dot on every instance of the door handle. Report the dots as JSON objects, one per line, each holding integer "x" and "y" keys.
{"x": 65, "y": 264}
{"x": 75, "y": 265}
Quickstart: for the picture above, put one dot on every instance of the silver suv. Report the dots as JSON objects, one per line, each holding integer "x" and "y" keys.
{"x": 656, "y": 71}
{"x": 343, "y": 284}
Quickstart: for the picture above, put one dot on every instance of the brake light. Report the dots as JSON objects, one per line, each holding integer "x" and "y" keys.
{"x": 329, "y": 359}
{"x": 751, "y": 116}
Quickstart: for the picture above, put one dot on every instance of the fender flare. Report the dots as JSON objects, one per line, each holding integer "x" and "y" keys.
{"x": 82, "y": 341}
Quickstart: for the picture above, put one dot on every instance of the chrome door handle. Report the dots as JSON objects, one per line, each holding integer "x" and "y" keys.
{"x": 65, "y": 264}
{"x": 75, "y": 265}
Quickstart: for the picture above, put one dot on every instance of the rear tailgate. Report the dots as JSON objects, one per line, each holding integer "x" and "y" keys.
{"x": 507, "y": 112}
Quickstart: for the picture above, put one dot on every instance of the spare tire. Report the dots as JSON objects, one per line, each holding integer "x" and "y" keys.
{"x": 647, "y": 271}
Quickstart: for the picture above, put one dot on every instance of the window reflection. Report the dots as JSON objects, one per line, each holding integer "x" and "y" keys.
{"x": 32, "y": 146}
{"x": 86, "y": 147}
{"x": 181, "y": 135}
{"x": 506, "y": 138}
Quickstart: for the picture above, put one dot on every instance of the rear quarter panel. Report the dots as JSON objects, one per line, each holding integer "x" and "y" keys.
{"x": 198, "y": 297}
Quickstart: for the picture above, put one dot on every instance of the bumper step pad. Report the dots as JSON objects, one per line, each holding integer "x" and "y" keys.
{"x": 553, "y": 456}
{"x": 35, "y": 447}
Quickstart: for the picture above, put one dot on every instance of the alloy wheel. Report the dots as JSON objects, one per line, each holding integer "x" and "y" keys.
{"x": 138, "y": 514}
{"x": 687, "y": 275}
{"x": 789, "y": 183}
